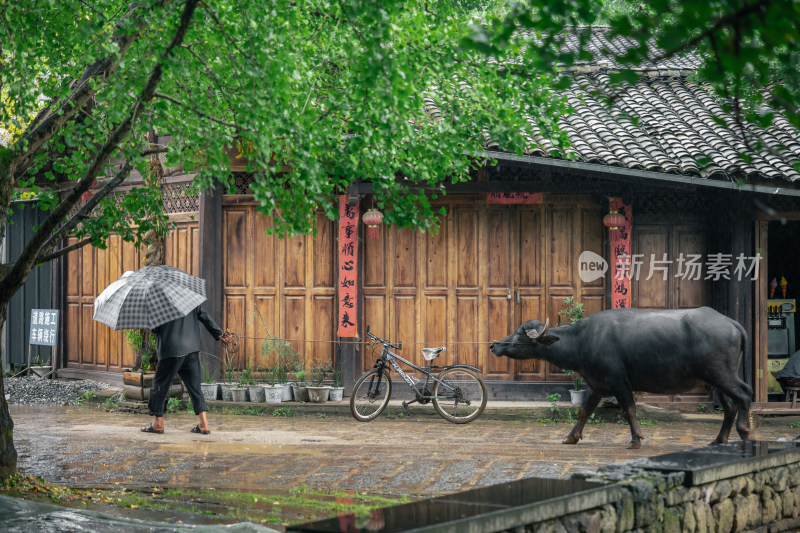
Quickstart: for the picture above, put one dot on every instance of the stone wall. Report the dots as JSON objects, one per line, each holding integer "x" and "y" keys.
{"x": 755, "y": 494}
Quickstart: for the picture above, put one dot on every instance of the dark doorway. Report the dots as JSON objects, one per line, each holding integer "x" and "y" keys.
{"x": 783, "y": 282}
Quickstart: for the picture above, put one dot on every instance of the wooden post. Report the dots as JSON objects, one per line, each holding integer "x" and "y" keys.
{"x": 210, "y": 266}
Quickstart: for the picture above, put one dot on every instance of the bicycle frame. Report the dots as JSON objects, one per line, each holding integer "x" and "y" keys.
{"x": 390, "y": 356}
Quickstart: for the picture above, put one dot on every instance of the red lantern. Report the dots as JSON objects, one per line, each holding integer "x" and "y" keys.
{"x": 614, "y": 220}
{"x": 373, "y": 219}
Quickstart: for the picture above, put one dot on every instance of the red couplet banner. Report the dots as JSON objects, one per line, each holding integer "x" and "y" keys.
{"x": 621, "y": 267}
{"x": 348, "y": 268}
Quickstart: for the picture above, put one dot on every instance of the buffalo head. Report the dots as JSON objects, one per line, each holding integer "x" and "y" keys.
{"x": 520, "y": 344}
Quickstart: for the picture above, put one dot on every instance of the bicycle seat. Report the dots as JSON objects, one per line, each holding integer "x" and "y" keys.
{"x": 431, "y": 353}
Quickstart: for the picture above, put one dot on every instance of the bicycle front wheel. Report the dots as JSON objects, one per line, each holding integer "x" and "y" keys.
{"x": 370, "y": 397}
{"x": 461, "y": 397}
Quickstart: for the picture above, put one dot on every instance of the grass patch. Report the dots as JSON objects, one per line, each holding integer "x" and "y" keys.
{"x": 298, "y": 505}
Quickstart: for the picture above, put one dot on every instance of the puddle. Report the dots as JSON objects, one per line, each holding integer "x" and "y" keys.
{"x": 20, "y": 516}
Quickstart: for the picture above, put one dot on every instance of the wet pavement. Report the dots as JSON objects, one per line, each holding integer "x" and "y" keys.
{"x": 85, "y": 446}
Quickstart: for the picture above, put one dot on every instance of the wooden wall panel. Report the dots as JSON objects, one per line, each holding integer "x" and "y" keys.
{"x": 405, "y": 258}
{"x": 690, "y": 292}
{"x": 323, "y": 253}
{"x": 321, "y": 327}
{"x": 236, "y": 245}
{"x": 294, "y": 274}
{"x": 653, "y": 293}
{"x": 467, "y": 259}
{"x": 499, "y": 245}
{"x": 264, "y": 251}
{"x": 436, "y": 259}
{"x": 73, "y": 332}
{"x": 293, "y": 328}
{"x": 468, "y": 348}
{"x": 435, "y": 330}
{"x": 561, "y": 256}
{"x": 499, "y": 310}
{"x": 236, "y": 313}
{"x": 404, "y": 318}
{"x": 375, "y": 263}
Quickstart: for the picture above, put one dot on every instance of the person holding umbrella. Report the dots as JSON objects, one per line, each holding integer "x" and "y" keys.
{"x": 178, "y": 348}
{"x": 165, "y": 300}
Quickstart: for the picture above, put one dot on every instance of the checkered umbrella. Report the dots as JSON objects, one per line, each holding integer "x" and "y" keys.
{"x": 149, "y": 297}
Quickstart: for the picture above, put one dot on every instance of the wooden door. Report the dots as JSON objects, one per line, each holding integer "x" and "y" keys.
{"x": 671, "y": 276}
{"x": 487, "y": 270}
{"x": 672, "y": 271}
{"x": 279, "y": 287}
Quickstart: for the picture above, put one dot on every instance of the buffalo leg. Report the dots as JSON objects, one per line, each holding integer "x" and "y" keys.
{"x": 628, "y": 404}
{"x": 730, "y": 409}
{"x": 585, "y": 410}
{"x": 739, "y": 393}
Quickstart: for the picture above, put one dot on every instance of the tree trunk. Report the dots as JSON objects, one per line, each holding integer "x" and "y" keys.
{"x": 8, "y": 454}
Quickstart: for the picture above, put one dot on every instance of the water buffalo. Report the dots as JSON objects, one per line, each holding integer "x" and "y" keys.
{"x": 620, "y": 351}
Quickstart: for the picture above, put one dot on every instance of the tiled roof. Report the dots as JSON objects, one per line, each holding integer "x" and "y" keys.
{"x": 664, "y": 122}
{"x": 605, "y": 49}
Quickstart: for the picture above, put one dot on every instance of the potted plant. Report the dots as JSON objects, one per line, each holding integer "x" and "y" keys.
{"x": 39, "y": 369}
{"x": 136, "y": 382}
{"x": 285, "y": 360}
{"x": 577, "y": 394}
{"x": 209, "y": 386}
{"x": 284, "y": 357}
{"x": 273, "y": 390}
{"x": 254, "y": 392}
{"x": 337, "y": 391}
{"x": 317, "y": 392}
{"x": 239, "y": 388}
{"x": 299, "y": 386}
{"x": 226, "y": 386}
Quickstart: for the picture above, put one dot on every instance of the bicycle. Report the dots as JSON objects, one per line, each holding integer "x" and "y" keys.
{"x": 458, "y": 395}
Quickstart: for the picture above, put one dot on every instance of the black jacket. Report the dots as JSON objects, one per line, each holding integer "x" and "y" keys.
{"x": 182, "y": 336}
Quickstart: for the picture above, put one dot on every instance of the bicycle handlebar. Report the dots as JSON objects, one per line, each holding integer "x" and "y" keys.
{"x": 384, "y": 341}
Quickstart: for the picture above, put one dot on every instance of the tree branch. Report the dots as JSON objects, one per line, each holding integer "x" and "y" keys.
{"x": 47, "y": 124}
{"x": 17, "y": 275}
{"x": 84, "y": 210}
{"x": 201, "y": 113}
{"x": 63, "y": 251}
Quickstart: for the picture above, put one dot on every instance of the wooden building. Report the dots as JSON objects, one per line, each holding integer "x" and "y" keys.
{"x": 508, "y": 249}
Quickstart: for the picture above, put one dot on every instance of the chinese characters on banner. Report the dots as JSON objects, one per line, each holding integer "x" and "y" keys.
{"x": 620, "y": 240}
{"x": 514, "y": 198}
{"x": 44, "y": 326}
{"x": 348, "y": 267}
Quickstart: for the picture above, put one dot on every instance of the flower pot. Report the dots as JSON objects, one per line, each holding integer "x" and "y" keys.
{"x": 318, "y": 394}
{"x": 136, "y": 386}
{"x": 41, "y": 371}
{"x": 225, "y": 391}
{"x": 286, "y": 392}
{"x": 273, "y": 393}
{"x": 210, "y": 390}
{"x": 336, "y": 394}
{"x": 577, "y": 396}
{"x": 257, "y": 394}
{"x": 300, "y": 392}
{"x": 239, "y": 394}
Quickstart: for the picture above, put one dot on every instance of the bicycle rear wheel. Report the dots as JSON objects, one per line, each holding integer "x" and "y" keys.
{"x": 461, "y": 398}
{"x": 369, "y": 397}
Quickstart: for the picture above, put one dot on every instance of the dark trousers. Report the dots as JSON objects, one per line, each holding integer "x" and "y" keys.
{"x": 188, "y": 368}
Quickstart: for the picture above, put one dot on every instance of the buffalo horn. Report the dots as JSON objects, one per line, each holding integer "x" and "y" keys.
{"x": 533, "y": 334}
